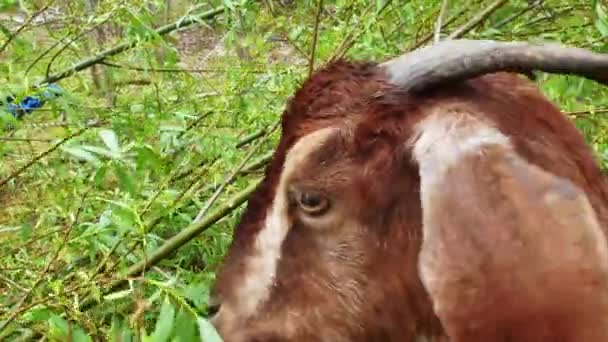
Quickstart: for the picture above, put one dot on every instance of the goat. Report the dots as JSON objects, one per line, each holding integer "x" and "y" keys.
{"x": 438, "y": 196}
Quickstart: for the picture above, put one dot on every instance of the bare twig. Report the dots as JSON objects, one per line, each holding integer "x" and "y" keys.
{"x": 22, "y": 169}
{"x": 232, "y": 175}
{"x": 46, "y": 52}
{"x": 66, "y": 45}
{"x": 429, "y": 36}
{"x": 25, "y": 139}
{"x": 251, "y": 137}
{"x": 13, "y": 35}
{"x": 176, "y": 70}
{"x": 477, "y": 20}
{"x": 184, "y": 22}
{"x": 588, "y": 111}
{"x": 254, "y": 165}
{"x": 311, "y": 63}
{"x": 512, "y": 17}
{"x": 42, "y": 276}
{"x": 351, "y": 38}
{"x": 439, "y": 24}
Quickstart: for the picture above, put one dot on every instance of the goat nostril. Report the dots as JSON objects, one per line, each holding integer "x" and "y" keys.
{"x": 212, "y": 310}
{"x": 213, "y": 307}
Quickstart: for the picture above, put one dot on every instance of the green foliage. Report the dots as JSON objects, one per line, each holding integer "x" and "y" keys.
{"x": 166, "y": 117}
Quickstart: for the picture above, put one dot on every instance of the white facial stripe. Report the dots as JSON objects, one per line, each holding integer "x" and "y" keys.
{"x": 443, "y": 138}
{"x": 262, "y": 264}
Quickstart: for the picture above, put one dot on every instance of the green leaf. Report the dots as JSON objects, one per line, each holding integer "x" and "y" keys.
{"x": 148, "y": 158}
{"x": 78, "y": 335}
{"x": 39, "y": 314}
{"x": 127, "y": 183}
{"x": 101, "y": 151}
{"x": 110, "y": 140}
{"x": 26, "y": 231}
{"x": 123, "y": 217}
{"x": 207, "y": 331}
{"x": 60, "y": 330}
{"x": 79, "y": 153}
{"x": 8, "y": 5}
{"x": 198, "y": 294}
{"x": 379, "y": 5}
{"x": 58, "y": 327}
{"x": 119, "y": 331}
{"x": 164, "y": 323}
{"x": 228, "y": 4}
{"x": 602, "y": 19}
{"x": 100, "y": 176}
{"x": 137, "y": 108}
{"x": 185, "y": 327}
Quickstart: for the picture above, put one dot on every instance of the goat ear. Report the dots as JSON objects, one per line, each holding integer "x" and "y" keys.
{"x": 511, "y": 250}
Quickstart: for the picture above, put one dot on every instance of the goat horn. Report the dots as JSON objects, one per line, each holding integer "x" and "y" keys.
{"x": 457, "y": 60}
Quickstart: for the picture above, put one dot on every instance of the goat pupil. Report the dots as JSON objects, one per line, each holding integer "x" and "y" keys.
{"x": 310, "y": 200}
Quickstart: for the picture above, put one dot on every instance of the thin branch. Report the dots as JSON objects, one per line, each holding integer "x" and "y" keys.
{"x": 173, "y": 70}
{"x": 311, "y": 63}
{"x": 46, "y": 52}
{"x": 477, "y": 20}
{"x": 67, "y": 45}
{"x": 426, "y": 38}
{"x": 173, "y": 207}
{"x": 24, "y": 139}
{"x": 178, "y": 240}
{"x": 253, "y": 166}
{"x": 42, "y": 276}
{"x": 518, "y": 14}
{"x": 588, "y": 111}
{"x": 24, "y": 25}
{"x": 175, "y": 172}
{"x": 251, "y": 137}
{"x": 439, "y": 24}
{"x": 232, "y": 175}
{"x": 351, "y": 38}
{"x": 22, "y": 169}
{"x": 184, "y": 22}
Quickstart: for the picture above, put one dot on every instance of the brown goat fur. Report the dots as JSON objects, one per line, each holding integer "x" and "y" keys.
{"x": 357, "y": 279}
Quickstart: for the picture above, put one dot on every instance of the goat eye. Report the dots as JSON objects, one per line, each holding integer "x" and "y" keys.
{"x": 313, "y": 203}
